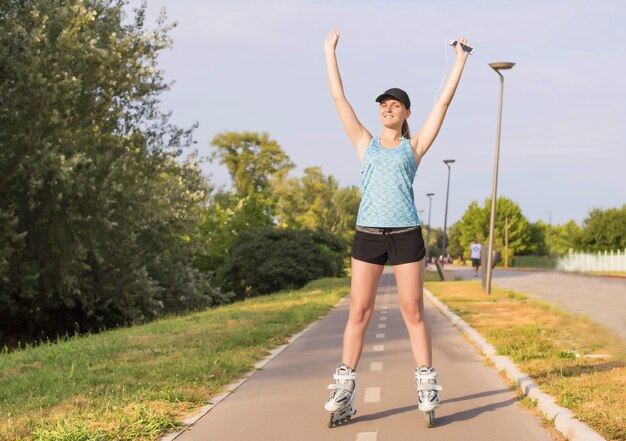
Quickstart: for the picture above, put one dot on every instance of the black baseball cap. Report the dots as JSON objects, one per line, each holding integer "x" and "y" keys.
{"x": 397, "y": 94}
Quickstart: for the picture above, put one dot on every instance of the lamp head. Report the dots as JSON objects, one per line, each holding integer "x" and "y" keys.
{"x": 501, "y": 65}
{"x": 430, "y": 194}
{"x": 449, "y": 161}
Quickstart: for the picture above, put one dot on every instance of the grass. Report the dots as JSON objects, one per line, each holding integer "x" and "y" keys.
{"x": 138, "y": 383}
{"x": 543, "y": 341}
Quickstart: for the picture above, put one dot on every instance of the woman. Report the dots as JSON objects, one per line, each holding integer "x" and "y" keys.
{"x": 388, "y": 228}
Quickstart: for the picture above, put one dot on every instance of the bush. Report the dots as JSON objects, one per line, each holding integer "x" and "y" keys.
{"x": 268, "y": 260}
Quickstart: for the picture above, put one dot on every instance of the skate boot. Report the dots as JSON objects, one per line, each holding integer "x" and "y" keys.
{"x": 427, "y": 382}
{"x": 339, "y": 402}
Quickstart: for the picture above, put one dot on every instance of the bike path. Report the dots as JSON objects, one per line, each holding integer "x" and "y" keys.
{"x": 284, "y": 401}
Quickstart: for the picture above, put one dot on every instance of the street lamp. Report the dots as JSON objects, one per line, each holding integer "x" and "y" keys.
{"x": 445, "y": 218}
{"x": 492, "y": 219}
{"x": 430, "y": 204}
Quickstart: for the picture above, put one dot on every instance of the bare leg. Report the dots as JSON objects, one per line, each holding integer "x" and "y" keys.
{"x": 365, "y": 277}
{"x": 410, "y": 281}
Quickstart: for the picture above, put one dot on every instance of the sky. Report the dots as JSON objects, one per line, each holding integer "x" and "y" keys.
{"x": 256, "y": 65}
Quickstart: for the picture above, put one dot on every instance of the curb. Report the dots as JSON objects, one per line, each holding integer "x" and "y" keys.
{"x": 563, "y": 419}
{"x": 217, "y": 399}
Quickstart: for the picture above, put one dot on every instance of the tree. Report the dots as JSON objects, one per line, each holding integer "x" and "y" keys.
{"x": 564, "y": 237}
{"x": 97, "y": 214}
{"x": 604, "y": 230}
{"x": 315, "y": 202}
{"x": 225, "y": 217}
{"x": 475, "y": 224}
{"x": 434, "y": 239}
{"x": 252, "y": 159}
{"x": 454, "y": 247}
{"x": 539, "y": 239}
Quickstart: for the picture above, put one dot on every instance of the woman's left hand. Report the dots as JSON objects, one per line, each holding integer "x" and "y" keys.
{"x": 459, "y": 50}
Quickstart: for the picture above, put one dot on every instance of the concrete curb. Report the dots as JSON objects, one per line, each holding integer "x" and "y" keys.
{"x": 564, "y": 420}
{"x": 214, "y": 401}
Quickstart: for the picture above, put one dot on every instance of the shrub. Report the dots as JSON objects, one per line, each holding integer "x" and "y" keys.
{"x": 268, "y": 260}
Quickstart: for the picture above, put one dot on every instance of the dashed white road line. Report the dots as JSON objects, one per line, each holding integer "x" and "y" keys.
{"x": 366, "y": 436}
{"x": 376, "y": 366}
{"x": 378, "y": 348}
{"x": 384, "y": 317}
{"x": 372, "y": 395}
{"x": 380, "y": 335}
{"x": 382, "y": 326}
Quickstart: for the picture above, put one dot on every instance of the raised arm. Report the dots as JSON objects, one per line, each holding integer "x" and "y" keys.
{"x": 424, "y": 138}
{"x": 358, "y": 134}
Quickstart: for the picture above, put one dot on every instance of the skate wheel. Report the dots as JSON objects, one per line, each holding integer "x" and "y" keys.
{"x": 330, "y": 421}
{"x": 430, "y": 418}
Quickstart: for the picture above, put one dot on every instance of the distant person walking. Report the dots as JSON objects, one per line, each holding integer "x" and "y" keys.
{"x": 475, "y": 255}
{"x": 388, "y": 228}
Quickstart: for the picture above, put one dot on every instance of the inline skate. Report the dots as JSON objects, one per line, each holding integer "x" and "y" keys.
{"x": 427, "y": 382}
{"x": 339, "y": 402}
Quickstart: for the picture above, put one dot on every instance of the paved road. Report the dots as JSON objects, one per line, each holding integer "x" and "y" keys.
{"x": 284, "y": 401}
{"x": 602, "y": 299}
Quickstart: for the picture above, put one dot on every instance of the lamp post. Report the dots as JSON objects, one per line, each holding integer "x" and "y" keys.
{"x": 492, "y": 219}
{"x": 445, "y": 218}
{"x": 430, "y": 204}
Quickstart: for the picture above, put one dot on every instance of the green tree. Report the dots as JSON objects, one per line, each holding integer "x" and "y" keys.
{"x": 539, "y": 239}
{"x": 433, "y": 237}
{"x": 562, "y": 238}
{"x": 346, "y": 201}
{"x": 225, "y": 217}
{"x": 315, "y": 202}
{"x": 475, "y": 224}
{"x": 253, "y": 160}
{"x": 256, "y": 164}
{"x": 454, "y": 247}
{"x": 97, "y": 214}
{"x": 604, "y": 230}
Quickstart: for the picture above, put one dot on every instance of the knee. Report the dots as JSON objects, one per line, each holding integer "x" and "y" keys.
{"x": 359, "y": 315}
{"x": 412, "y": 312}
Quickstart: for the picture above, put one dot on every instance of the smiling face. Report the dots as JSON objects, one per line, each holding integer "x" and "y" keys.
{"x": 393, "y": 113}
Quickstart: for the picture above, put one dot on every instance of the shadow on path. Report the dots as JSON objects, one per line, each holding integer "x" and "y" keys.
{"x": 478, "y": 395}
{"x": 473, "y": 413}
{"x": 384, "y": 414}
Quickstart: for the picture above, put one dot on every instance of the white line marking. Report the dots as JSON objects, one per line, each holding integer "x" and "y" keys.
{"x": 366, "y": 436}
{"x": 380, "y": 335}
{"x": 378, "y": 348}
{"x": 383, "y": 318}
{"x": 382, "y": 326}
{"x": 385, "y": 307}
{"x": 372, "y": 395}
{"x": 376, "y": 366}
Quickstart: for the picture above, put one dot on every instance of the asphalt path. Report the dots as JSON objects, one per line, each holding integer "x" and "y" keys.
{"x": 284, "y": 400}
{"x": 602, "y": 299}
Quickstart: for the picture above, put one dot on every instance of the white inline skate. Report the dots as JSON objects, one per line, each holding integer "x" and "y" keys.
{"x": 427, "y": 382}
{"x": 339, "y": 403}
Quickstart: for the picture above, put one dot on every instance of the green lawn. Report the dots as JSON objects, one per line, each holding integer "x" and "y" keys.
{"x": 140, "y": 382}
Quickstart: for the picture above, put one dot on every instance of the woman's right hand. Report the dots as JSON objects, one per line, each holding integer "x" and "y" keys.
{"x": 331, "y": 41}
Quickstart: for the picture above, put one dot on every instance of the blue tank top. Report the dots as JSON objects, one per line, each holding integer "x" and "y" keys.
{"x": 387, "y": 176}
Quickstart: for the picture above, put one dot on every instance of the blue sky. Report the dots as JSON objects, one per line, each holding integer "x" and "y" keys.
{"x": 259, "y": 66}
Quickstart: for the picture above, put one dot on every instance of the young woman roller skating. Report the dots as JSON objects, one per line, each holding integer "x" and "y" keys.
{"x": 388, "y": 229}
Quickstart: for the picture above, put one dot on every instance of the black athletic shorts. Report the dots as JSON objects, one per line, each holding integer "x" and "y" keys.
{"x": 393, "y": 245}
{"x": 475, "y": 262}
